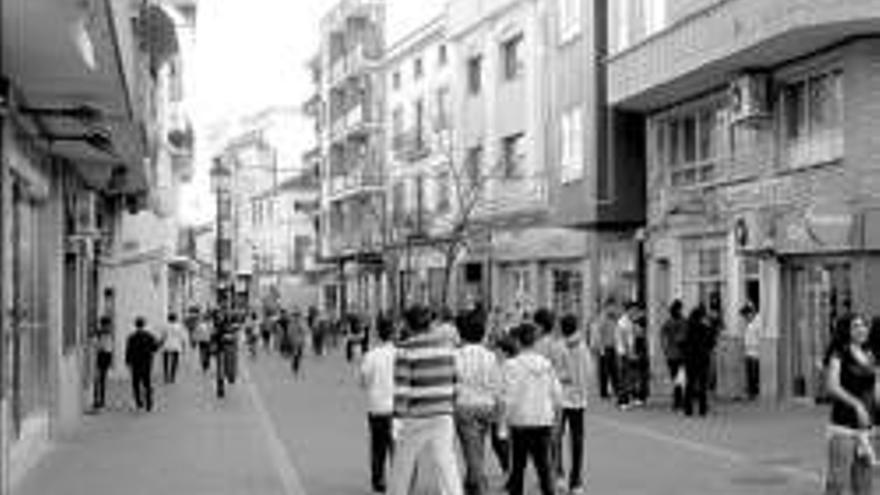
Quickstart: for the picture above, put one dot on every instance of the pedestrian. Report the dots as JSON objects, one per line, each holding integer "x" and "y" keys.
{"x": 672, "y": 339}
{"x": 605, "y": 349}
{"x": 266, "y": 326}
{"x": 282, "y": 334}
{"x": 252, "y": 334}
{"x": 642, "y": 358}
{"x": 103, "y": 345}
{"x": 173, "y": 344}
{"x": 477, "y": 401}
{"x": 752, "y": 344}
{"x": 627, "y": 366}
{"x": 377, "y": 378}
{"x": 852, "y": 387}
{"x": 202, "y": 341}
{"x": 550, "y": 345}
{"x": 699, "y": 345}
{"x": 574, "y": 401}
{"x": 320, "y": 329}
{"x": 353, "y": 336}
{"x": 532, "y": 398}
{"x": 424, "y": 394}
{"x": 445, "y": 322}
{"x": 297, "y": 334}
{"x": 140, "y": 348}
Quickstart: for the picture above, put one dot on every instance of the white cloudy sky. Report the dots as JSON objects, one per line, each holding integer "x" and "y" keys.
{"x": 251, "y": 54}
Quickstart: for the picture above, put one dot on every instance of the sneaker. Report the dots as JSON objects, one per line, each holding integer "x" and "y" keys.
{"x": 625, "y": 407}
{"x": 561, "y": 486}
{"x": 579, "y": 490}
{"x": 638, "y": 403}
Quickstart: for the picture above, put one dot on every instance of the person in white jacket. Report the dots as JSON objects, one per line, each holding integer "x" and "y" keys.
{"x": 532, "y": 397}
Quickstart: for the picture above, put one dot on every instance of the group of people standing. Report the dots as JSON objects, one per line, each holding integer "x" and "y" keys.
{"x": 522, "y": 388}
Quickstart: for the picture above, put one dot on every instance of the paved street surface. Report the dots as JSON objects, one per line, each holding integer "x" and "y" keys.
{"x": 276, "y": 434}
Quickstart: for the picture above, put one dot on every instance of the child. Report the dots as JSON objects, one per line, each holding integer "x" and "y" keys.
{"x": 532, "y": 397}
{"x": 574, "y": 400}
{"x": 377, "y": 377}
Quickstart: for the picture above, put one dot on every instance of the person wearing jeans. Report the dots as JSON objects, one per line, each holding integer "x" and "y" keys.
{"x": 532, "y": 397}
{"x": 173, "y": 343}
{"x": 377, "y": 377}
{"x": 477, "y": 395}
{"x": 574, "y": 402}
{"x": 424, "y": 400}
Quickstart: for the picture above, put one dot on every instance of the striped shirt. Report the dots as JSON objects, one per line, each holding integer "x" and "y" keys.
{"x": 424, "y": 377}
{"x": 479, "y": 376}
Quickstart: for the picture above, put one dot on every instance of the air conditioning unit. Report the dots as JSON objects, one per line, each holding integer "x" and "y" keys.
{"x": 749, "y": 98}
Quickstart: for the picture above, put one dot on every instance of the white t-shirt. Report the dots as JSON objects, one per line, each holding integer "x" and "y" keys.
{"x": 174, "y": 337}
{"x": 377, "y": 376}
{"x": 752, "y": 337}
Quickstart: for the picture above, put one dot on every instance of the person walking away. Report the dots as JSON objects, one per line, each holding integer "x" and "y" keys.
{"x": 445, "y": 323}
{"x": 642, "y": 362}
{"x": 297, "y": 335}
{"x": 282, "y": 334}
{"x": 699, "y": 345}
{"x": 503, "y": 345}
{"x": 624, "y": 344}
{"x": 672, "y": 339}
{"x": 140, "y": 348}
{"x": 424, "y": 394}
{"x": 103, "y": 345}
{"x": 266, "y": 325}
{"x": 478, "y": 395}
{"x": 532, "y": 397}
{"x": 202, "y": 341}
{"x": 851, "y": 383}
{"x": 252, "y": 334}
{"x": 173, "y": 343}
{"x": 574, "y": 401}
{"x": 353, "y": 336}
{"x": 550, "y": 345}
{"x": 377, "y": 378}
{"x": 319, "y": 334}
{"x": 752, "y": 344}
{"x": 606, "y": 351}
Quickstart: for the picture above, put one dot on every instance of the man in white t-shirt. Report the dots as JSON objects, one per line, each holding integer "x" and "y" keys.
{"x": 377, "y": 377}
{"x": 173, "y": 342}
{"x": 752, "y": 344}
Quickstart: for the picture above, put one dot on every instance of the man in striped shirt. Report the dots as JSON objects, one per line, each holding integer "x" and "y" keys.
{"x": 424, "y": 399}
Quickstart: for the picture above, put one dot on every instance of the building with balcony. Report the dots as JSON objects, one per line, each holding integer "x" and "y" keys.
{"x": 347, "y": 107}
{"x": 759, "y": 123}
{"x": 83, "y": 105}
{"x": 419, "y": 161}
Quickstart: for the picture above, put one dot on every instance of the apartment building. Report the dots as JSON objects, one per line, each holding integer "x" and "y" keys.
{"x": 347, "y": 106}
{"x": 518, "y": 259}
{"x": 421, "y": 183}
{"x": 759, "y": 121}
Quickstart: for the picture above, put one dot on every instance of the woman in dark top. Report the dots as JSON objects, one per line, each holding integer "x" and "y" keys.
{"x": 698, "y": 347}
{"x": 852, "y": 387}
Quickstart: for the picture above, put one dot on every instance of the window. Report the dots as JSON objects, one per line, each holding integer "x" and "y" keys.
{"x": 569, "y": 19}
{"x": 813, "y": 119}
{"x": 395, "y": 80}
{"x": 688, "y": 144}
{"x": 418, "y": 70}
{"x": 420, "y": 202}
{"x": 398, "y": 202}
{"x": 511, "y": 57}
{"x": 474, "y": 71}
{"x": 419, "y": 111}
{"x": 397, "y": 121}
{"x": 572, "y": 145}
{"x": 442, "y": 56}
{"x": 443, "y": 120}
{"x": 443, "y": 192}
{"x": 513, "y": 155}
{"x": 568, "y": 289}
{"x": 635, "y": 20}
{"x": 474, "y": 164}
{"x": 704, "y": 271}
{"x": 301, "y": 246}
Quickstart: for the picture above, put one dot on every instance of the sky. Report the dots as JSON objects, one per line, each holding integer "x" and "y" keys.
{"x": 251, "y": 55}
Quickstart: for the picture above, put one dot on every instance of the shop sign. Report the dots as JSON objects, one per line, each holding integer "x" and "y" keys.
{"x": 829, "y": 224}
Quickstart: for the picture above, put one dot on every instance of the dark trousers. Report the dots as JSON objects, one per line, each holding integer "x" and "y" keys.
{"x": 501, "y": 447}
{"x": 573, "y": 420}
{"x": 381, "y": 448}
{"x": 627, "y": 377}
{"x": 535, "y": 442}
{"x": 607, "y": 372}
{"x": 169, "y": 365}
{"x": 142, "y": 387}
{"x": 473, "y": 425}
{"x": 753, "y": 377}
{"x": 697, "y": 387}
{"x": 205, "y": 355}
{"x": 102, "y": 366}
{"x": 296, "y": 353}
{"x": 674, "y": 366}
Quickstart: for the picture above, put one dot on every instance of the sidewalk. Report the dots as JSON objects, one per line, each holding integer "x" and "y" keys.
{"x": 191, "y": 444}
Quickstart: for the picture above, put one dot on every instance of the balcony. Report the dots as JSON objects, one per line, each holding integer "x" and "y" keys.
{"x": 700, "y": 46}
{"x": 357, "y": 121}
{"x": 364, "y": 178}
{"x": 411, "y": 146}
{"x": 356, "y": 62}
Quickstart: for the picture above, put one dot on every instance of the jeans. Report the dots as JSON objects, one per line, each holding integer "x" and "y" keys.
{"x": 473, "y": 425}
{"x": 607, "y": 372}
{"x": 381, "y": 448}
{"x": 142, "y": 387}
{"x": 697, "y": 386}
{"x": 296, "y": 354}
{"x": 753, "y": 377}
{"x": 573, "y": 418}
{"x": 847, "y": 473}
{"x": 535, "y": 442}
{"x": 205, "y": 355}
{"x": 437, "y": 434}
{"x": 627, "y": 377}
{"x": 169, "y": 365}
{"x": 501, "y": 447}
{"x": 103, "y": 363}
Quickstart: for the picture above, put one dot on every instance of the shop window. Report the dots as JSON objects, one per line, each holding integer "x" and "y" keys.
{"x": 704, "y": 269}
{"x": 812, "y": 119}
{"x": 687, "y": 144}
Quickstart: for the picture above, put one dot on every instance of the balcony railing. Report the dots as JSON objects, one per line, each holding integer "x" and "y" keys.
{"x": 355, "y": 121}
{"x": 411, "y": 146}
{"x": 355, "y": 62}
{"x": 363, "y": 176}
